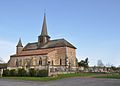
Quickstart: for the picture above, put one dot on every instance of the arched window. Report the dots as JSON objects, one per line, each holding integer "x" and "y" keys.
{"x": 60, "y": 61}
{"x": 17, "y": 63}
{"x": 40, "y": 61}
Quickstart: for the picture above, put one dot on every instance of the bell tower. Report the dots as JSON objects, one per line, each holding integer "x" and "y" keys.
{"x": 19, "y": 47}
{"x": 44, "y": 37}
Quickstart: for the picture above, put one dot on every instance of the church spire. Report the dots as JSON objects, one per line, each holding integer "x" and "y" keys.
{"x": 44, "y": 27}
{"x": 19, "y": 47}
{"x": 44, "y": 37}
{"x": 19, "y": 43}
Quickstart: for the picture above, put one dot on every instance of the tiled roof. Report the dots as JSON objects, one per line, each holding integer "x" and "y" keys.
{"x": 34, "y": 52}
{"x": 50, "y": 44}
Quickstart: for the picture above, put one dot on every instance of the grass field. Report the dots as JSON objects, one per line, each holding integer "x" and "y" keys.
{"x": 61, "y": 76}
{"x": 113, "y": 76}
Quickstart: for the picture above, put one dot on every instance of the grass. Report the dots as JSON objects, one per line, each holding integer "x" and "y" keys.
{"x": 113, "y": 76}
{"x": 76, "y": 75}
{"x": 61, "y": 76}
{"x": 32, "y": 78}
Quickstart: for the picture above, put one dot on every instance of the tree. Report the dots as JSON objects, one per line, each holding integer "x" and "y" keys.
{"x": 83, "y": 63}
{"x": 86, "y": 62}
{"x": 113, "y": 68}
{"x": 108, "y": 65}
{"x": 100, "y": 63}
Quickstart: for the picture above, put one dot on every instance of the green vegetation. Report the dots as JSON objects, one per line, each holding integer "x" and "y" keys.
{"x": 32, "y": 72}
{"x": 60, "y": 76}
{"x": 12, "y": 72}
{"x": 83, "y": 63}
{"x": 113, "y": 76}
{"x": 6, "y": 72}
{"x": 38, "y": 75}
{"x": 42, "y": 73}
{"x": 76, "y": 75}
{"x": 32, "y": 78}
{"x": 21, "y": 72}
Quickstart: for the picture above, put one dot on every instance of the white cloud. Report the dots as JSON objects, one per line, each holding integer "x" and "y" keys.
{"x": 6, "y": 49}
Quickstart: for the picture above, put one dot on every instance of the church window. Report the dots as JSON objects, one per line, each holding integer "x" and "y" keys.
{"x": 17, "y": 63}
{"x": 60, "y": 61}
{"x": 40, "y": 61}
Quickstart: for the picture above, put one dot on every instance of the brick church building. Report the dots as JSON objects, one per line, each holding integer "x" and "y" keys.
{"x": 59, "y": 53}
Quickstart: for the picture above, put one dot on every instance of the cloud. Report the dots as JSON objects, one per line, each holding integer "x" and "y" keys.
{"x": 6, "y": 49}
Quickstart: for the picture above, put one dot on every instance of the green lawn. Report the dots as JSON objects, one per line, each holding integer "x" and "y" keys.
{"x": 32, "y": 78}
{"x": 61, "y": 76}
{"x": 113, "y": 76}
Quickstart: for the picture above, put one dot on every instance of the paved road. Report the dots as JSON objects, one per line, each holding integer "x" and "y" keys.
{"x": 63, "y": 82}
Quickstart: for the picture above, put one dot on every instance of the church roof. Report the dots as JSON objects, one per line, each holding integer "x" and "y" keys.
{"x": 44, "y": 44}
{"x": 50, "y": 44}
{"x": 35, "y": 52}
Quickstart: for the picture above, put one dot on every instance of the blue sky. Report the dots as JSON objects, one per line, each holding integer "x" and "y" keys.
{"x": 93, "y": 26}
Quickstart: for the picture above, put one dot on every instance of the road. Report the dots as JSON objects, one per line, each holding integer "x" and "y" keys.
{"x": 63, "y": 82}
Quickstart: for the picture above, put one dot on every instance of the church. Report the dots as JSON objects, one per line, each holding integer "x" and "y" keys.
{"x": 58, "y": 53}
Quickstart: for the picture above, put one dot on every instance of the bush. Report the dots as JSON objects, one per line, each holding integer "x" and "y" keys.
{"x": 42, "y": 73}
{"x": 22, "y": 72}
{"x": 12, "y": 72}
{"x": 32, "y": 72}
{"x": 6, "y": 72}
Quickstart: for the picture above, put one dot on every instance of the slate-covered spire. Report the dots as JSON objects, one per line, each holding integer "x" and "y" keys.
{"x": 44, "y": 37}
{"x": 44, "y": 27}
{"x": 19, "y": 43}
{"x": 19, "y": 47}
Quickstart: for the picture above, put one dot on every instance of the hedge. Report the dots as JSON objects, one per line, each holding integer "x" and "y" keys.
{"x": 42, "y": 73}
{"x": 6, "y": 72}
{"x": 32, "y": 72}
{"x": 21, "y": 72}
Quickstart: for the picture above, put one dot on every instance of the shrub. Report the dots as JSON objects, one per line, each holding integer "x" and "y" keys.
{"x": 12, "y": 72}
{"x": 42, "y": 73}
{"x": 22, "y": 72}
{"x": 6, "y": 72}
{"x": 32, "y": 72}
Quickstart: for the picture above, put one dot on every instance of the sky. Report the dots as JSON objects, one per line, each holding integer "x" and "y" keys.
{"x": 93, "y": 26}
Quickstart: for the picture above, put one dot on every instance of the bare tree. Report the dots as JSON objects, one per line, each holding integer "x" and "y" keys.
{"x": 108, "y": 65}
{"x": 100, "y": 63}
